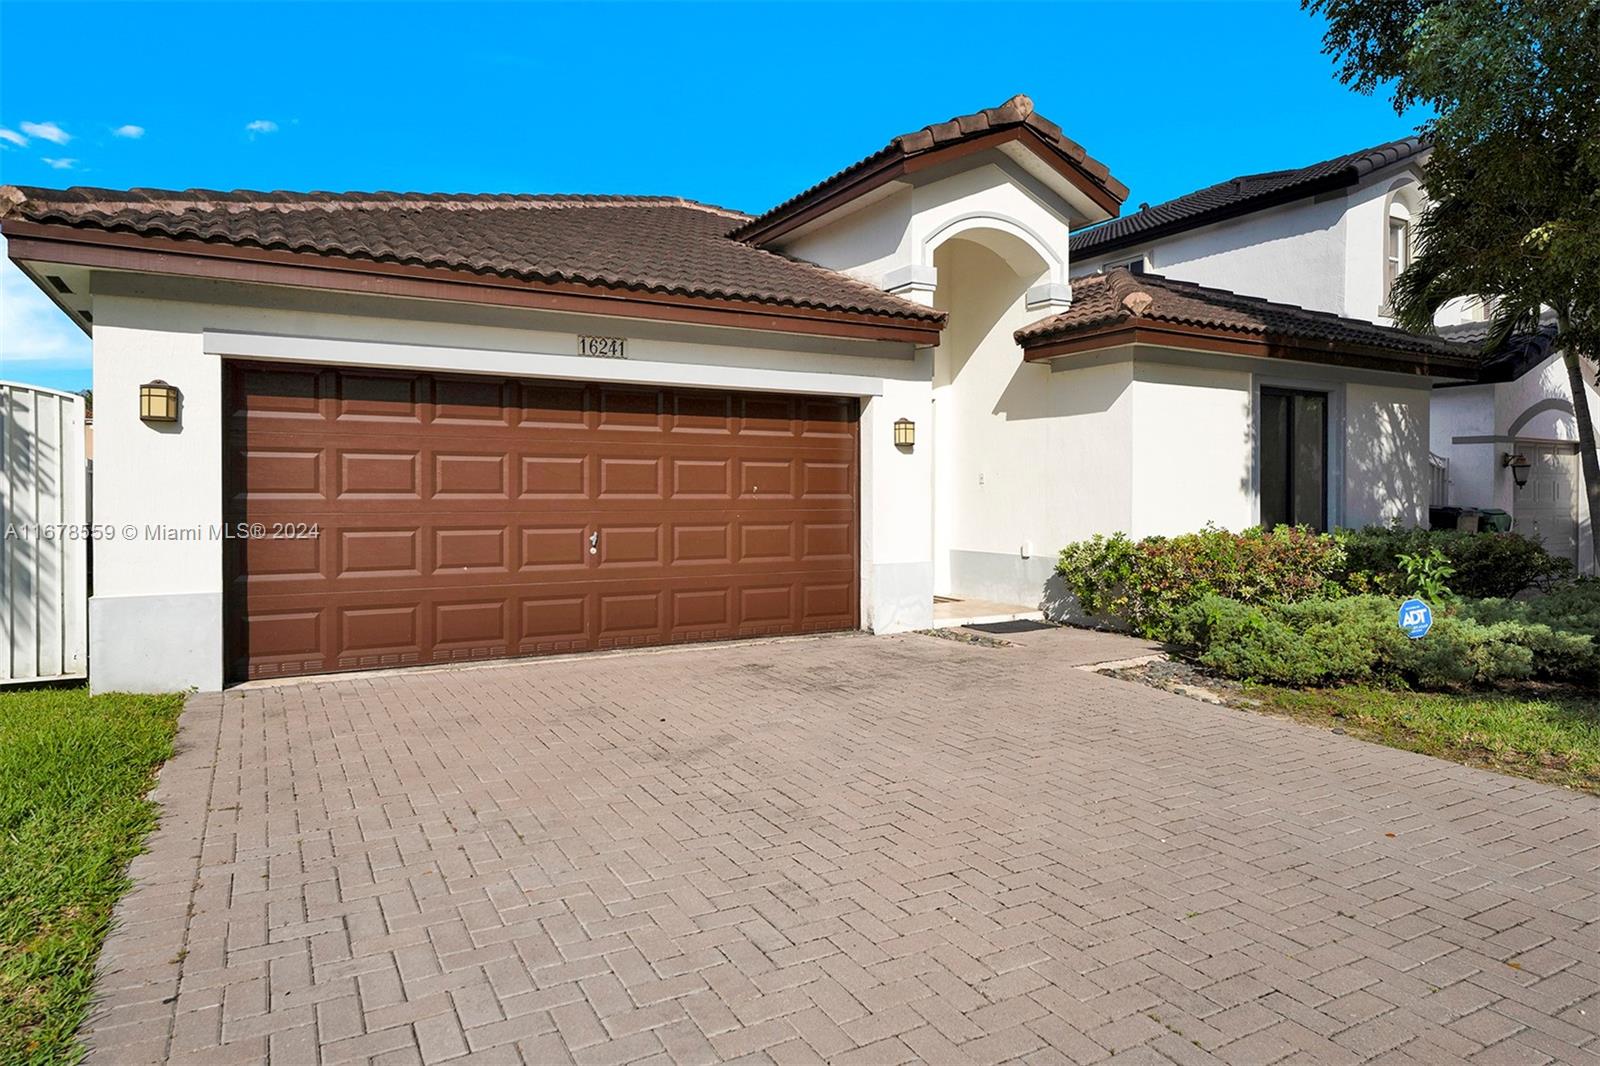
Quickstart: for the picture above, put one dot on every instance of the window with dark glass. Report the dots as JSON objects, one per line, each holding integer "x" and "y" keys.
{"x": 1294, "y": 458}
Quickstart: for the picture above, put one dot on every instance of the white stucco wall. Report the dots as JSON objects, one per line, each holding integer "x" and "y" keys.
{"x": 1465, "y": 411}
{"x": 1536, "y": 406}
{"x": 891, "y": 241}
{"x": 1294, "y": 254}
{"x": 156, "y": 616}
{"x": 1325, "y": 253}
{"x": 1386, "y": 472}
{"x": 1023, "y": 456}
{"x": 1192, "y": 448}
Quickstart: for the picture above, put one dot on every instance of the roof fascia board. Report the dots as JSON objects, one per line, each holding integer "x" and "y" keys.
{"x": 899, "y": 166}
{"x": 1194, "y": 338}
{"x": 119, "y": 251}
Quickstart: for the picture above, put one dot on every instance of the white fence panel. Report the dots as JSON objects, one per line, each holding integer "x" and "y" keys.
{"x": 44, "y": 568}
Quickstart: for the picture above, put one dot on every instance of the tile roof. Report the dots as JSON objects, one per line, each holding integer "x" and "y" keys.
{"x": 1515, "y": 356}
{"x": 634, "y": 243}
{"x": 1121, "y": 296}
{"x": 1014, "y": 113}
{"x": 1241, "y": 195}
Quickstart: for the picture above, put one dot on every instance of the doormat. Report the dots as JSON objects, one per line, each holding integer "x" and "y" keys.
{"x": 1019, "y": 626}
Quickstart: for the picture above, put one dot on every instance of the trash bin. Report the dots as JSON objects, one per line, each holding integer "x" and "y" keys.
{"x": 1443, "y": 517}
{"x": 1494, "y": 520}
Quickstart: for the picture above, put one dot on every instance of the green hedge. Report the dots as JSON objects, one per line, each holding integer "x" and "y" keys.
{"x": 1484, "y": 564}
{"x": 1145, "y": 583}
{"x": 1356, "y": 639}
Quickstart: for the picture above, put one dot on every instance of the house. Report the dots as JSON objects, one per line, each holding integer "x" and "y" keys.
{"x": 347, "y": 431}
{"x": 1332, "y": 236}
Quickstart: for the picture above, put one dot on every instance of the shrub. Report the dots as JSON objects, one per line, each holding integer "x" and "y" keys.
{"x": 1482, "y": 564}
{"x": 1355, "y": 639}
{"x": 1146, "y": 583}
{"x": 1561, "y": 628}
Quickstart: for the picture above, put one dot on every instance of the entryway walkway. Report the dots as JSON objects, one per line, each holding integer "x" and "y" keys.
{"x": 949, "y": 612}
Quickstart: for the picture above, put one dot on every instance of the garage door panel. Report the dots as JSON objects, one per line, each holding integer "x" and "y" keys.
{"x": 549, "y": 547}
{"x": 701, "y": 544}
{"x": 289, "y": 394}
{"x": 701, "y": 478}
{"x": 702, "y": 414}
{"x": 632, "y": 477}
{"x": 553, "y": 623}
{"x": 630, "y": 410}
{"x": 827, "y": 418}
{"x": 553, "y": 475}
{"x": 377, "y": 396}
{"x": 386, "y": 553}
{"x": 543, "y": 404}
{"x": 765, "y": 542}
{"x": 473, "y": 402}
{"x": 475, "y": 550}
{"x": 281, "y": 559}
{"x": 455, "y": 514}
{"x": 389, "y": 475}
{"x": 294, "y": 473}
{"x": 471, "y": 476}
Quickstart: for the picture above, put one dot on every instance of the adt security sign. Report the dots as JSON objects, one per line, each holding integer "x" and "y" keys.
{"x": 1415, "y": 618}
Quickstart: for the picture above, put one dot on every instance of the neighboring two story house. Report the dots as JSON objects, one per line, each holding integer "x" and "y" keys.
{"x": 340, "y": 431}
{"x": 1331, "y": 237}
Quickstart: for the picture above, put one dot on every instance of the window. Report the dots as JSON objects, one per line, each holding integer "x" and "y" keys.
{"x": 1397, "y": 253}
{"x": 1294, "y": 458}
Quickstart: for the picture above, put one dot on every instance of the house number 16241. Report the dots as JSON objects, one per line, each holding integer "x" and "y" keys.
{"x": 601, "y": 347}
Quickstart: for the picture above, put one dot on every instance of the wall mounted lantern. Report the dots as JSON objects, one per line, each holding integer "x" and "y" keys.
{"x": 1519, "y": 467}
{"x": 905, "y": 433}
{"x": 158, "y": 402}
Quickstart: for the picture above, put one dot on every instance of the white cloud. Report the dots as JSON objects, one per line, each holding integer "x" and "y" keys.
{"x": 13, "y": 137}
{"x": 131, "y": 132}
{"x": 60, "y": 164}
{"x": 46, "y": 131}
{"x": 33, "y": 330}
{"x": 262, "y": 125}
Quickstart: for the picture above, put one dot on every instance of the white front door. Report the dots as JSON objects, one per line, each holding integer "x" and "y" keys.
{"x": 1547, "y": 506}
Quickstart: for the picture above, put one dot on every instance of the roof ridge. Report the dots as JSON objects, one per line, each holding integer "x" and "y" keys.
{"x": 91, "y": 197}
{"x": 1017, "y": 111}
{"x": 1235, "y": 195}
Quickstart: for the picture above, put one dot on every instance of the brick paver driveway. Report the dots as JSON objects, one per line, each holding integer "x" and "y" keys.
{"x": 856, "y": 849}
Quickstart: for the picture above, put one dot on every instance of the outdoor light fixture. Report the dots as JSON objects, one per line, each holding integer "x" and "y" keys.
{"x": 158, "y": 402}
{"x": 905, "y": 433}
{"x": 1519, "y": 467}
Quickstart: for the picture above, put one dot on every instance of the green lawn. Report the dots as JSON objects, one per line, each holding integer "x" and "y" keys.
{"x": 1554, "y": 737}
{"x": 73, "y": 773}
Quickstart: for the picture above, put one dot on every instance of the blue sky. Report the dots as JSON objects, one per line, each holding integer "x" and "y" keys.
{"x": 735, "y": 104}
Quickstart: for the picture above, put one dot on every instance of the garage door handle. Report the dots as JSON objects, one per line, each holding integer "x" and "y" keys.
{"x": 594, "y": 542}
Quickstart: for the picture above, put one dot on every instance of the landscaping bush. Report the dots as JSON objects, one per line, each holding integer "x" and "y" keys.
{"x": 1356, "y": 639}
{"x": 1146, "y": 583}
{"x": 1566, "y": 611}
{"x": 1482, "y": 564}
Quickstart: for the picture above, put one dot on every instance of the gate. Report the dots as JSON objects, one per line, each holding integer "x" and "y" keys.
{"x": 44, "y": 554}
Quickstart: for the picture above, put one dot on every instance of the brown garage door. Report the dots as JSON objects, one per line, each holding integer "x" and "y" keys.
{"x": 473, "y": 517}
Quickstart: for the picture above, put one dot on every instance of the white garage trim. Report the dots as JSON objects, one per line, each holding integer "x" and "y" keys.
{"x": 533, "y": 364}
